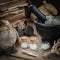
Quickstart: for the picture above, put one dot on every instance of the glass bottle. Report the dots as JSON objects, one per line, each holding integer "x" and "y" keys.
{"x": 24, "y": 43}
{"x": 33, "y": 44}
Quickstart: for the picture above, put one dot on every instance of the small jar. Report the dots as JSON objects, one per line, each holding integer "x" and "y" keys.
{"x": 33, "y": 45}
{"x": 24, "y": 43}
{"x": 45, "y": 45}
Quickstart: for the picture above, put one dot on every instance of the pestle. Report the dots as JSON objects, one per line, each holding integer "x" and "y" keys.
{"x": 33, "y": 9}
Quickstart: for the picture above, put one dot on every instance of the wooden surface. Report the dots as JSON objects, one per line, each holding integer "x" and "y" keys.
{"x": 36, "y": 52}
{"x": 39, "y": 52}
{"x": 12, "y": 4}
{"x": 13, "y": 14}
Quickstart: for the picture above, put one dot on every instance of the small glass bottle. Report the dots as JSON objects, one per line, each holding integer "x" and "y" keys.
{"x": 45, "y": 45}
{"x": 33, "y": 45}
{"x": 24, "y": 43}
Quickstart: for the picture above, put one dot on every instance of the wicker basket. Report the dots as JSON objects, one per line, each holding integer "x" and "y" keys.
{"x": 55, "y": 48}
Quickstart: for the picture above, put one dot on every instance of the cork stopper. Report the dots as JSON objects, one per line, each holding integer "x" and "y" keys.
{"x": 33, "y": 39}
{"x": 24, "y": 38}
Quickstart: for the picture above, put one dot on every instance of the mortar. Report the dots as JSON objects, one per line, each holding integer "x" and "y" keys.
{"x": 48, "y": 32}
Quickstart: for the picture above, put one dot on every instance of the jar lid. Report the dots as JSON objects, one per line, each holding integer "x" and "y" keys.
{"x": 33, "y": 39}
{"x": 24, "y": 38}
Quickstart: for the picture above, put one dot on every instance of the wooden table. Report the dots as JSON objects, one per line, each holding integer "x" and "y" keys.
{"x": 38, "y": 52}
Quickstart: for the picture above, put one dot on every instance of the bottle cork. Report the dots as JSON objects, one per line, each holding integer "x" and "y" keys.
{"x": 24, "y": 38}
{"x": 33, "y": 39}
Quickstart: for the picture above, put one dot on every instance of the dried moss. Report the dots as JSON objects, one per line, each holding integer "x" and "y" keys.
{"x": 52, "y": 20}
